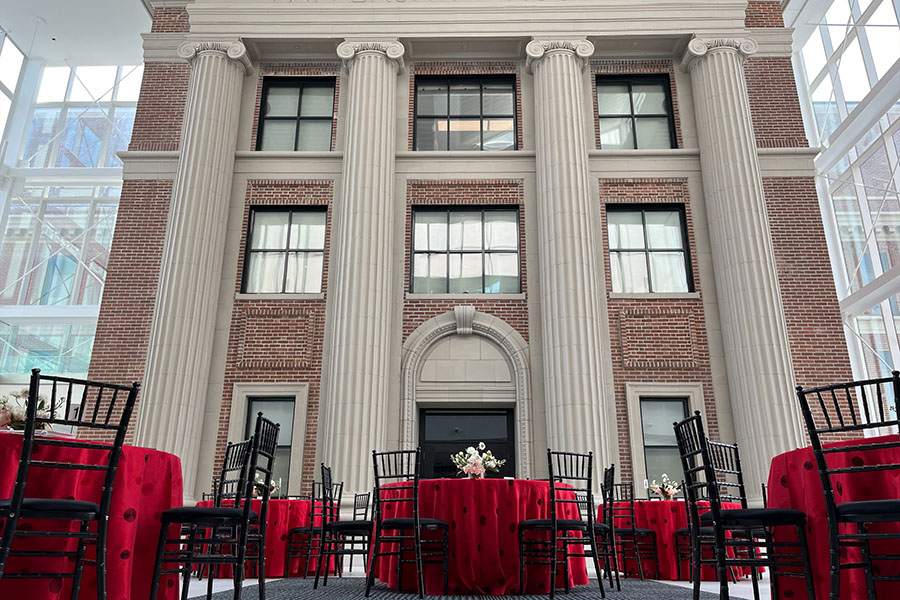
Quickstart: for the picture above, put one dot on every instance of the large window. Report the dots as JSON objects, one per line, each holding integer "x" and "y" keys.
{"x": 648, "y": 249}
{"x": 11, "y": 59}
{"x": 296, "y": 114}
{"x": 465, "y": 250}
{"x": 279, "y": 409}
{"x": 285, "y": 251}
{"x": 465, "y": 113}
{"x": 635, "y": 112}
{"x": 660, "y": 448}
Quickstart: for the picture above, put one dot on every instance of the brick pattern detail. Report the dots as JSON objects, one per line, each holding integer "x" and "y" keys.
{"x": 160, "y": 108}
{"x": 323, "y": 69}
{"x": 129, "y": 295}
{"x": 763, "y": 14}
{"x": 461, "y": 193}
{"x": 278, "y": 340}
{"x": 464, "y": 68}
{"x": 655, "y": 340}
{"x": 170, "y": 19}
{"x": 634, "y": 67}
{"x": 774, "y": 105}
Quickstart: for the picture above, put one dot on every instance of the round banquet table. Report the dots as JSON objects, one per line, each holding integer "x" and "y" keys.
{"x": 147, "y": 483}
{"x": 794, "y": 483}
{"x": 484, "y": 554}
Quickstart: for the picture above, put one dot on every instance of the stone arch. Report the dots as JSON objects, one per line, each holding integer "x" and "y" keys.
{"x": 465, "y": 320}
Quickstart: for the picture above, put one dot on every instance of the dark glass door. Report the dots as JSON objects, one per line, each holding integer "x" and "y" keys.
{"x": 443, "y": 432}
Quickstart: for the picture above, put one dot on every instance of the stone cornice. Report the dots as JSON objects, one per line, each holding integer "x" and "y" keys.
{"x": 700, "y": 47}
{"x": 538, "y": 49}
{"x": 393, "y": 50}
{"x": 236, "y": 51}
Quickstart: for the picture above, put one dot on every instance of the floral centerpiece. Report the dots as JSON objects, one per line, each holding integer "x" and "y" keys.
{"x": 14, "y": 409}
{"x": 259, "y": 486}
{"x": 474, "y": 464}
{"x": 667, "y": 489}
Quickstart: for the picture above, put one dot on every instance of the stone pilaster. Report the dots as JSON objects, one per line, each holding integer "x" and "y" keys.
{"x": 569, "y": 273}
{"x": 757, "y": 355}
{"x": 359, "y": 313}
{"x": 181, "y": 336}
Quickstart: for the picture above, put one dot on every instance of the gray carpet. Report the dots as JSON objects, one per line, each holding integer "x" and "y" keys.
{"x": 353, "y": 587}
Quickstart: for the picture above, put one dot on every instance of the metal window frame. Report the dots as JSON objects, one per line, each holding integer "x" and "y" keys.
{"x": 301, "y": 83}
{"x": 685, "y": 405}
{"x": 629, "y": 81}
{"x": 250, "y": 423}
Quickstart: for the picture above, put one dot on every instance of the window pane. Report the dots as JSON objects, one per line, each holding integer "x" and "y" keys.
{"x": 667, "y": 272}
{"x": 265, "y": 273}
{"x": 270, "y": 230}
{"x": 498, "y": 99}
{"x": 431, "y": 99}
{"x": 53, "y": 84}
{"x": 501, "y": 230}
{"x": 123, "y": 124}
{"x": 663, "y": 229}
{"x": 10, "y": 64}
{"x": 92, "y": 84}
{"x": 465, "y": 273}
{"x": 465, "y": 134}
{"x": 281, "y": 470}
{"x": 616, "y": 134}
{"x": 625, "y": 229}
{"x": 852, "y": 73}
{"x": 314, "y": 136}
{"x": 430, "y": 273}
{"x": 282, "y": 102}
{"x": 304, "y": 273}
{"x": 663, "y": 460}
{"x": 82, "y": 141}
{"x": 278, "y": 135}
{"x": 499, "y": 134}
{"x": 431, "y": 134}
{"x": 307, "y": 230}
{"x": 318, "y": 101}
{"x": 431, "y": 231}
{"x": 649, "y": 99}
{"x": 4, "y": 111}
{"x": 628, "y": 271}
{"x": 657, "y": 417}
{"x": 465, "y": 230}
{"x": 612, "y": 99}
{"x": 501, "y": 273}
{"x": 653, "y": 133}
{"x": 465, "y": 99}
{"x": 277, "y": 411}
{"x": 129, "y": 87}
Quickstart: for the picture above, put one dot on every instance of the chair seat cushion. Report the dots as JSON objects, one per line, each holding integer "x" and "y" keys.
{"x": 564, "y": 524}
{"x": 869, "y": 510}
{"x": 758, "y": 517}
{"x": 204, "y": 514}
{"x": 639, "y": 532}
{"x": 31, "y": 506}
{"x": 705, "y": 531}
{"x": 407, "y": 523}
{"x": 601, "y": 527}
{"x": 348, "y": 527}
{"x": 301, "y": 530}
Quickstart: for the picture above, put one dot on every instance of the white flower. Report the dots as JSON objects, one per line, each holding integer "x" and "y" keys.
{"x": 481, "y": 445}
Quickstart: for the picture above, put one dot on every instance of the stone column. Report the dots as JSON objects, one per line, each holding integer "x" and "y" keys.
{"x": 181, "y": 335}
{"x": 757, "y": 355}
{"x": 569, "y": 272}
{"x": 356, "y": 380}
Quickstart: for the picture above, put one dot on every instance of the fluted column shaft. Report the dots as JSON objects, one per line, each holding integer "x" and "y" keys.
{"x": 569, "y": 273}
{"x": 356, "y": 382}
{"x": 757, "y": 355}
{"x": 181, "y": 334}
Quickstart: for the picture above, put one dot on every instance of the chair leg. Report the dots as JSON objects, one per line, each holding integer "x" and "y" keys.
{"x": 374, "y": 543}
{"x": 867, "y": 560}
{"x": 565, "y": 557}
{"x": 637, "y": 555}
{"x": 420, "y": 566}
{"x": 553, "y": 554}
{"x": 773, "y": 578}
{"x": 721, "y": 568}
{"x": 186, "y": 568}
{"x": 521, "y": 562}
{"x": 807, "y": 566}
{"x": 261, "y": 564}
{"x": 79, "y": 560}
{"x": 835, "y": 556}
{"x": 157, "y": 565}
{"x": 308, "y": 552}
{"x": 6, "y": 540}
{"x": 592, "y": 540}
{"x": 319, "y": 564}
{"x": 696, "y": 552}
{"x": 102, "y": 529}
{"x": 446, "y": 549}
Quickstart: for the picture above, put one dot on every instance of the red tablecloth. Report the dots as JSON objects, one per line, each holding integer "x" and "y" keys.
{"x": 147, "y": 483}
{"x": 484, "y": 552}
{"x": 794, "y": 483}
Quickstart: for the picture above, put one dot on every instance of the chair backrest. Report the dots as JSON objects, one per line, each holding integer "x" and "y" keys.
{"x": 262, "y": 462}
{"x": 331, "y": 496}
{"x": 396, "y": 480}
{"x": 621, "y": 505}
{"x": 606, "y": 489}
{"x": 570, "y": 479}
{"x": 852, "y": 408}
{"x": 361, "y": 506}
{"x": 231, "y": 486}
{"x": 101, "y": 407}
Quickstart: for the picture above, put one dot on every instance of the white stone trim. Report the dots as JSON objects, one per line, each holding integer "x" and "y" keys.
{"x": 464, "y": 297}
{"x": 237, "y": 424}
{"x": 655, "y": 296}
{"x": 419, "y": 343}
{"x": 243, "y": 296}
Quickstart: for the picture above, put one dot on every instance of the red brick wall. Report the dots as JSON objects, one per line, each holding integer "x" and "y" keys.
{"x": 160, "y": 108}
{"x": 461, "y": 193}
{"x": 774, "y": 105}
{"x": 763, "y": 14}
{"x": 129, "y": 295}
{"x": 325, "y": 69}
{"x": 170, "y": 20}
{"x": 655, "y": 340}
{"x": 634, "y": 67}
{"x": 292, "y": 329}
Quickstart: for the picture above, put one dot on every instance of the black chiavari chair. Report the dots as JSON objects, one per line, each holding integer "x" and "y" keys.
{"x": 608, "y": 533}
{"x": 396, "y": 484}
{"x": 101, "y": 408}
{"x": 634, "y": 542}
{"x": 361, "y": 516}
{"x": 341, "y": 538}
{"x": 302, "y": 541}
{"x": 856, "y": 408}
{"x": 712, "y": 472}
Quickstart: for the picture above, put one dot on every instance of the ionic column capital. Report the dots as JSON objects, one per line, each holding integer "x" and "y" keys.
{"x": 235, "y": 51}
{"x": 536, "y": 50}
{"x": 701, "y": 47}
{"x": 393, "y": 51}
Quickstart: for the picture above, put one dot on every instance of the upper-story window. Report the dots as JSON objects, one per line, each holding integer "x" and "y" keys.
{"x": 648, "y": 249}
{"x": 285, "y": 251}
{"x": 465, "y": 250}
{"x": 635, "y": 112}
{"x": 296, "y": 114}
{"x": 465, "y": 113}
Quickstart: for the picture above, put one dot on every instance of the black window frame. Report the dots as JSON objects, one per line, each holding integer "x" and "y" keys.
{"x": 301, "y": 83}
{"x": 431, "y": 448}
{"x": 248, "y": 250}
{"x": 250, "y": 423}
{"x": 686, "y": 242}
{"x": 463, "y": 208}
{"x": 641, "y": 399}
{"x": 449, "y": 80}
{"x": 630, "y": 80}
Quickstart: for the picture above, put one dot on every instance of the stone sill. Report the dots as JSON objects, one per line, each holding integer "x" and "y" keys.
{"x": 462, "y": 297}
{"x": 282, "y": 154}
{"x": 319, "y": 296}
{"x": 659, "y": 296}
{"x": 441, "y": 154}
{"x": 662, "y": 152}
